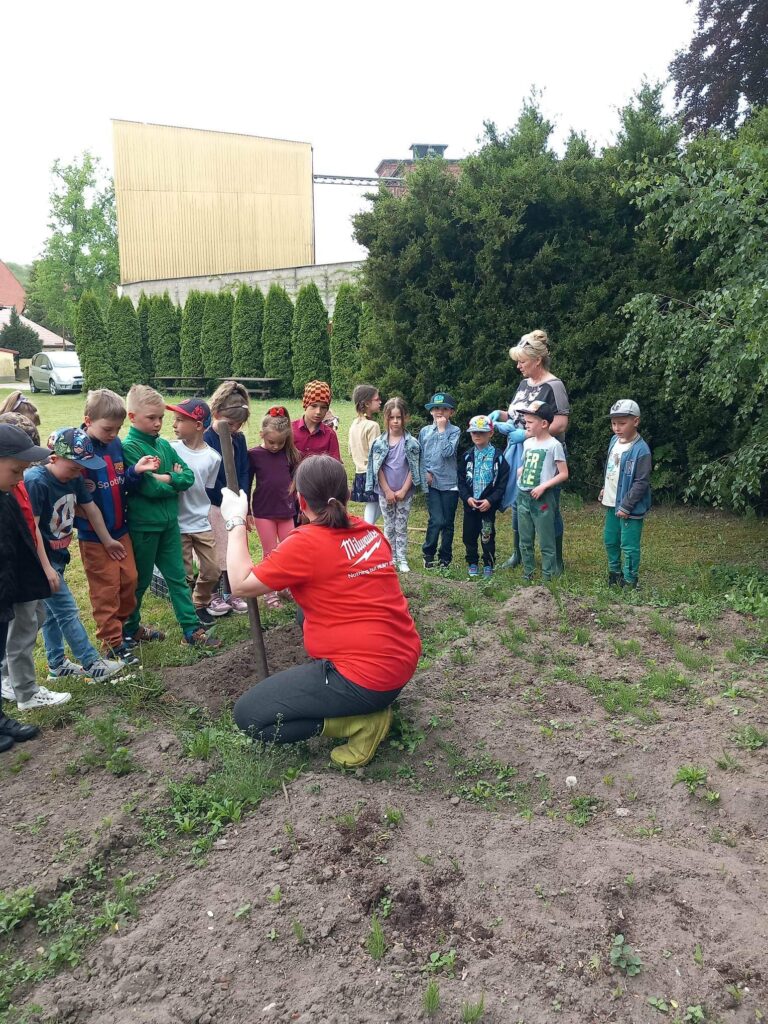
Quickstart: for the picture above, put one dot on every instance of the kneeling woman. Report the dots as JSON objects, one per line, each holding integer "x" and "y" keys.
{"x": 357, "y": 627}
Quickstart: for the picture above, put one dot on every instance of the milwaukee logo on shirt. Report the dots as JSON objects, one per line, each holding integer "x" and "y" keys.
{"x": 359, "y": 551}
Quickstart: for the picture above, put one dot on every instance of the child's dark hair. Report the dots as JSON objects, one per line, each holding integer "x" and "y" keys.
{"x": 18, "y": 402}
{"x": 230, "y": 402}
{"x": 362, "y": 395}
{"x": 278, "y": 420}
{"x": 322, "y": 481}
{"x": 16, "y": 419}
{"x": 395, "y": 405}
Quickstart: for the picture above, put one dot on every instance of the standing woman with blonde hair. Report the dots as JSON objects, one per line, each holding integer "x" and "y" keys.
{"x": 539, "y": 384}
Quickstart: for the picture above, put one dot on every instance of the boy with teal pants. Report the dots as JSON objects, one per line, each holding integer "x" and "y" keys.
{"x": 153, "y": 517}
{"x": 626, "y": 493}
{"x": 543, "y": 468}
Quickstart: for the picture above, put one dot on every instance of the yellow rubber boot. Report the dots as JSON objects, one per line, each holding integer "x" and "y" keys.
{"x": 365, "y": 733}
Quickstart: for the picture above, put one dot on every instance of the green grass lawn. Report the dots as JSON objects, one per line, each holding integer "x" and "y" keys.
{"x": 690, "y": 555}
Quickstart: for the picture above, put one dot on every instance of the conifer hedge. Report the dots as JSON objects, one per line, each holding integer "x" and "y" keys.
{"x": 163, "y": 331}
{"x": 91, "y": 345}
{"x": 345, "y": 344}
{"x": 124, "y": 334}
{"x": 276, "y": 336}
{"x": 310, "y": 347}
{"x": 247, "y": 325}
{"x": 216, "y": 337}
{"x": 191, "y": 332}
{"x": 142, "y": 311}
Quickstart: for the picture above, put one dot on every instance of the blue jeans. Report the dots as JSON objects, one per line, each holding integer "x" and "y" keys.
{"x": 63, "y": 623}
{"x": 442, "y": 513}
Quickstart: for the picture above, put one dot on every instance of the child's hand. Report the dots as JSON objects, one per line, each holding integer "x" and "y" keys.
{"x": 537, "y": 492}
{"x": 390, "y": 497}
{"x": 178, "y": 468}
{"x": 54, "y": 580}
{"x": 483, "y": 506}
{"x": 471, "y": 502}
{"x": 429, "y": 479}
{"x": 600, "y": 495}
{"x": 250, "y": 524}
{"x": 115, "y": 550}
{"x": 621, "y": 514}
{"x": 400, "y": 495}
{"x": 147, "y": 463}
{"x": 441, "y": 422}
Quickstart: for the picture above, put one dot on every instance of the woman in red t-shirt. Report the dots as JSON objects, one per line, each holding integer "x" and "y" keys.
{"x": 357, "y": 628}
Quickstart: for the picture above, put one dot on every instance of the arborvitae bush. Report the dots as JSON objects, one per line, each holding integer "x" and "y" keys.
{"x": 310, "y": 347}
{"x": 247, "y": 325}
{"x": 191, "y": 332}
{"x": 18, "y": 336}
{"x": 91, "y": 345}
{"x": 345, "y": 343}
{"x": 124, "y": 336}
{"x": 163, "y": 327}
{"x": 216, "y": 338}
{"x": 276, "y": 336}
{"x": 142, "y": 311}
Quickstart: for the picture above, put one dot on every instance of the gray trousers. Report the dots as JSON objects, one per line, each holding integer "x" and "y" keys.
{"x": 19, "y": 665}
{"x": 396, "y": 525}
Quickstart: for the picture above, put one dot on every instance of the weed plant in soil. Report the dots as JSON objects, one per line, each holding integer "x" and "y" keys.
{"x": 459, "y": 857}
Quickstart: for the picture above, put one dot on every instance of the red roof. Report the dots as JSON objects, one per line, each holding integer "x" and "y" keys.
{"x": 11, "y": 292}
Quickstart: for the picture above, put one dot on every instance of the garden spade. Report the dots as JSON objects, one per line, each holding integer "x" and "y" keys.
{"x": 228, "y": 454}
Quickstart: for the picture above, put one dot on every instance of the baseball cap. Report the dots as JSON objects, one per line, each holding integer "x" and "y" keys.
{"x": 625, "y": 407}
{"x": 74, "y": 444}
{"x": 193, "y": 409}
{"x": 480, "y": 425}
{"x": 15, "y": 444}
{"x": 541, "y": 409}
{"x": 441, "y": 398}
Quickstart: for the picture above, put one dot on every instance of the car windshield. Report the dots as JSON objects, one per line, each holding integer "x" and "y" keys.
{"x": 68, "y": 359}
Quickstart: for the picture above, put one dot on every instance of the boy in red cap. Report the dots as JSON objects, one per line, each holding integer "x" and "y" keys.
{"x": 192, "y": 419}
{"x": 310, "y": 434}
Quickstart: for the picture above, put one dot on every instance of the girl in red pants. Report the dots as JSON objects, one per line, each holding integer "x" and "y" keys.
{"x": 272, "y": 465}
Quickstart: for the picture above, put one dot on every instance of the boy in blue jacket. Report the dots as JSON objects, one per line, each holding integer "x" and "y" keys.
{"x": 482, "y": 483}
{"x": 626, "y": 493}
{"x": 438, "y": 444}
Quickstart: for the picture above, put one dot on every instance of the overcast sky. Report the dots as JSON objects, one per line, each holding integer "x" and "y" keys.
{"x": 358, "y": 81}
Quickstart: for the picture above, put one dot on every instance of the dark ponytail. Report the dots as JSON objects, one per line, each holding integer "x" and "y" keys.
{"x": 322, "y": 481}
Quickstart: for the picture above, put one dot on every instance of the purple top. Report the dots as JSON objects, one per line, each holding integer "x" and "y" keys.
{"x": 395, "y": 466}
{"x": 273, "y": 476}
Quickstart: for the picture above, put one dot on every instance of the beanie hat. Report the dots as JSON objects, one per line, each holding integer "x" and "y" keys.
{"x": 316, "y": 391}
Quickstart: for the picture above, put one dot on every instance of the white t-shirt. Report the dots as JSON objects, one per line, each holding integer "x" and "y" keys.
{"x": 194, "y": 502}
{"x": 539, "y": 462}
{"x": 612, "y": 472}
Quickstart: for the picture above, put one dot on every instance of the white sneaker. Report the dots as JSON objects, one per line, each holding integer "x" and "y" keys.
{"x": 44, "y": 698}
{"x": 8, "y": 692}
{"x": 103, "y": 669}
{"x": 403, "y": 567}
{"x": 66, "y": 668}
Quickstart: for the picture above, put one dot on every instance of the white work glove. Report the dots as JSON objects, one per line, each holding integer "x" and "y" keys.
{"x": 233, "y": 504}
{"x": 494, "y": 416}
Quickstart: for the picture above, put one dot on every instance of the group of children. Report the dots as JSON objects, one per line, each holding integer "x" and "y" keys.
{"x": 145, "y": 502}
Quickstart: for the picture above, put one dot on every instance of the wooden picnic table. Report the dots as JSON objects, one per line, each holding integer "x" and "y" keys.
{"x": 259, "y": 387}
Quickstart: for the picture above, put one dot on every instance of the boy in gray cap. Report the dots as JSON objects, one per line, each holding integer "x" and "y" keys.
{"x": 626, "y": 493}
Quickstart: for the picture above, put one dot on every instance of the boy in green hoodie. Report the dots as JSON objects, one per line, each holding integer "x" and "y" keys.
{"x": 153, "y": 517}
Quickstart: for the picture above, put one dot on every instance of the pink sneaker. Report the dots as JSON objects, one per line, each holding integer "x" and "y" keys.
{"x": 218, "y": 607}
{"x": 237, "y": 604}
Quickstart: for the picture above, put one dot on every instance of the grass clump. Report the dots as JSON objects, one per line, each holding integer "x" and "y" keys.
{"x": 692, "y": 776}
{"x": 376, "y": 943}
{"x": 430, "y": 1001}
{"x": 472, "y": 1011}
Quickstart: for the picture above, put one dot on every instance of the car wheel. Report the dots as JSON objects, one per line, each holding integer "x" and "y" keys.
{"x": 52, "y": 386}
{"x": 32, "y": 387}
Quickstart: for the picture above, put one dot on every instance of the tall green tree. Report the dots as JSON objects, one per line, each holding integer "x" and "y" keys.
{"x": 124, "y": 337}
{"x": 276, "y": 336}
{"x": 247, "y": 325}
{"x": 163, "y": 329}
{"x": 18, "y": 336}
{"x": 345, "y": 341}
{"x": 216, "y": 338}
{"x": 191, "y": 333}
{"x": 310, "y": 346}
{"x": 92, "y": 346}
{"x": 723, "y": 71}
{"x": 142, "y": 312}
{"x": 80, "y": 253}
{"x": 710, "y": 337}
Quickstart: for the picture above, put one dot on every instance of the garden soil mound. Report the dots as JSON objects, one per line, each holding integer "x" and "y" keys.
{"x": 489, "y": 874}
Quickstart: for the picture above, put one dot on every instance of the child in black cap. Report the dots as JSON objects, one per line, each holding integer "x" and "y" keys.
{"x": 22, "y": 577}
{"x": 544, "y": 467}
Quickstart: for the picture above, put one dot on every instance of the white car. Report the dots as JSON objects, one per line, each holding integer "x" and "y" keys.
{"x": 55, "y": 372}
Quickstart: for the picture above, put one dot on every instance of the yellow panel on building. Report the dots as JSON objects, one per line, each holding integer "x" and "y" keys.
{"x": 195, "y": 203}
